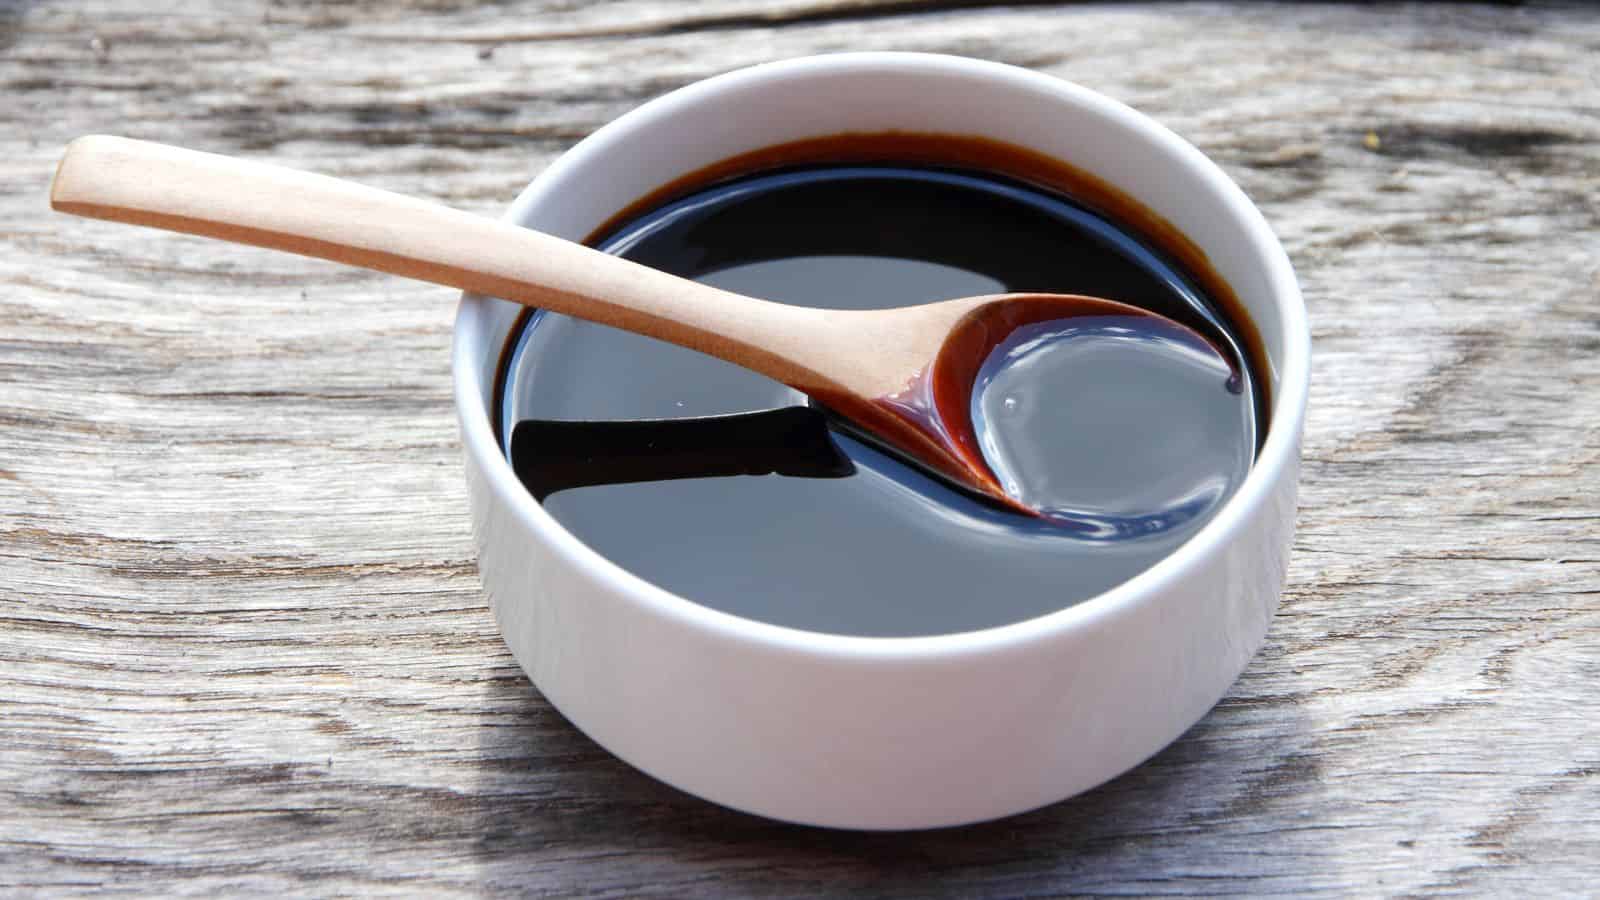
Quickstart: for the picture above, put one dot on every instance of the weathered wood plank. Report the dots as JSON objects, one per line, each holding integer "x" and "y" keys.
{"x": 242, "y": 647}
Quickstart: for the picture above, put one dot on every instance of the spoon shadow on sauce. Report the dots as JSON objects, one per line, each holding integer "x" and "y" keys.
{"x": 553, "y": 455}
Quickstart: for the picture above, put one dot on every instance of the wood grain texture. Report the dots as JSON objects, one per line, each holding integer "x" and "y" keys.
{"x": 242, "y": 648}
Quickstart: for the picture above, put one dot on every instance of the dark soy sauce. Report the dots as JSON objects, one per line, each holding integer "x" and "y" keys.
{"x": 1129, "y": 432}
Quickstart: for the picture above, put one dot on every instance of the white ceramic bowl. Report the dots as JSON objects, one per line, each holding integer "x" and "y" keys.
{"x": 886, "y": 733}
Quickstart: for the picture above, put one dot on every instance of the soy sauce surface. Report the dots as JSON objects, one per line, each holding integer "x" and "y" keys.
{"x": 768, "y": 512}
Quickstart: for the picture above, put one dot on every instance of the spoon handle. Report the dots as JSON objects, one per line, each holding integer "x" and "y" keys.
{"x": 270, "y": 206}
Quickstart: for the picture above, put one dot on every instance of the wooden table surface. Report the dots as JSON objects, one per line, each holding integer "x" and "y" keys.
{"x": 242, "y": 644}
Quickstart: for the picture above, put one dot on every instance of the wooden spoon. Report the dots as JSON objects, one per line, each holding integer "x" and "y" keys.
{"x": 903, "y": 376}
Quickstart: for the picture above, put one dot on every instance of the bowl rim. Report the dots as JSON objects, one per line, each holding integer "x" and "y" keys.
{"x": 1278, "y": 457}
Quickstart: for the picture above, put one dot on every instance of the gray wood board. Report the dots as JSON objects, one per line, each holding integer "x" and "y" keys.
{"x": 242, "y": 644}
